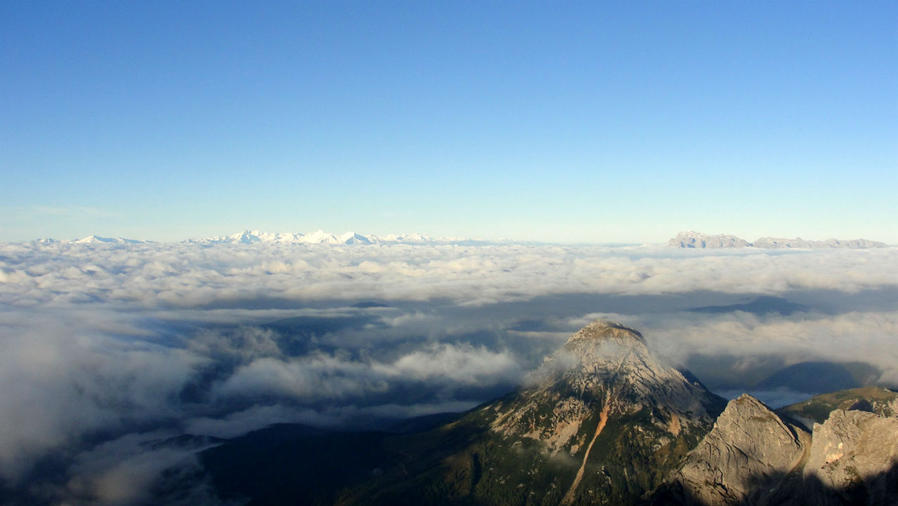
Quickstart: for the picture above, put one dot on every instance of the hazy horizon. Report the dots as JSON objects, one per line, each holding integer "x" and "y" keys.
{"x": 423, "y": 236}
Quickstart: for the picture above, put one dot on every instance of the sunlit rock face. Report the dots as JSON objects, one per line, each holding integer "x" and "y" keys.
{"x": 749, "y": 446}
{"x": 854, "y": 457}
{"x": 754, "y": 456}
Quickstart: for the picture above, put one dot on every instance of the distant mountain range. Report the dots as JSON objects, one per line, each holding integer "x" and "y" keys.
{"x": 259, "y": 237}
{"x": 688, "y": 239}
{"x": 692, "y": 239}
{"x": 319, "y": 237}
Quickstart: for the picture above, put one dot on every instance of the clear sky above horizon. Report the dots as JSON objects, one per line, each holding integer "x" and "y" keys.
{"x": 575, "y": 121}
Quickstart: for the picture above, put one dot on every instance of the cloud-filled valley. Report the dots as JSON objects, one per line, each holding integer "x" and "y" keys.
{"x": 111, "y": 348}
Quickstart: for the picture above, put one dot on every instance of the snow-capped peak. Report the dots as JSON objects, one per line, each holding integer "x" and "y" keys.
{"x": 318, "y": 237}
{"x": 95, "y": 239}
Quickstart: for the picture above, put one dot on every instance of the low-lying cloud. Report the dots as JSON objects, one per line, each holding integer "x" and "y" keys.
{"x": 108, "y": 348}
{"x": 185, "y": 275}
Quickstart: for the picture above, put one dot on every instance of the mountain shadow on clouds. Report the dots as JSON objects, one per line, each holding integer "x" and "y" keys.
{"x": 298, "y": 334}
{"x": 819, "y": 377}
{"x": 772, "y": 372}
{"x": 533, "y": 325}
{"x": 369, "y": 304}
{"x": 758, "y": 306}
{"x": 324, "y": 324}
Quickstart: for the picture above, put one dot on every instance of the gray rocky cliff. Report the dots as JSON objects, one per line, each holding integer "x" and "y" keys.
{"x": 748, "y": 447}
{"x": 753, "y": 456}
{"x": 854, "y": 458}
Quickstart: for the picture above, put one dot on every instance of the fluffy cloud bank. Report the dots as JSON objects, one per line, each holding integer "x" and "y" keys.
{"x": 107, "y": 346}
{"x": 185, "y": 275}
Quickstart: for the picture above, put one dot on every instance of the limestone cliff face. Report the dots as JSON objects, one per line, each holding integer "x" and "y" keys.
{"x": 854, "y": 457}
{"x": 749, "y": 448}
{"x": 752, "y": 456}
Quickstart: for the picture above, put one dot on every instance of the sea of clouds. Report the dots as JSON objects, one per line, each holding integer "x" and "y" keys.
{"x": 110, "y": 350}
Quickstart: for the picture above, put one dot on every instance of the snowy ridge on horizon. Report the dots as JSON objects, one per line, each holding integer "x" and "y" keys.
{"x": 95, "y": 239}
{"x": 690, "y": 240}
{"x": 260, "y": 237}
{"x": 320, "y": 237}
{"x": 91, "y": 239}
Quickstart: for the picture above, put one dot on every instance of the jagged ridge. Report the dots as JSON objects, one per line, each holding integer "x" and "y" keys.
{"x": 754, "y": 456}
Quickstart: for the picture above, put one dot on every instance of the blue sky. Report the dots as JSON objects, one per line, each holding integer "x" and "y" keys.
{"x": 575, "y": 121}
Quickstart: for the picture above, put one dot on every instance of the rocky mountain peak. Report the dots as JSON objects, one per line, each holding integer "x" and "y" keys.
{"x": 605, "y": 389}
{"x": 605, "y": 366}
{"x": 606, "y": 360}
{"x": 745, "y": 412}
{"x": 605, "y": 330}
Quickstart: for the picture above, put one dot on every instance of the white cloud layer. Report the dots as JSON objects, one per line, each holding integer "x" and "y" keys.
{"x": 115, "y": 338}
{"x": 184, "y": 275}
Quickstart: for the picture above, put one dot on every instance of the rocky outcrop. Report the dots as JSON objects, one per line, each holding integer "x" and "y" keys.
{"x": 854, "y": 459}
{"x": 749, "y": 448}
{"x": 697, "y": 240}
{"x": 753, "y": 456}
